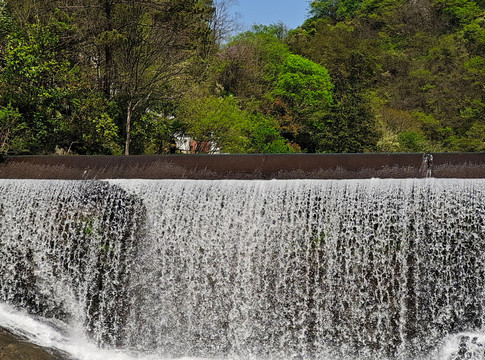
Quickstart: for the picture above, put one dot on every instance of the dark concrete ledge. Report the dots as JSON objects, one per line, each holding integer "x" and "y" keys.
{"x": 294, "y": 166}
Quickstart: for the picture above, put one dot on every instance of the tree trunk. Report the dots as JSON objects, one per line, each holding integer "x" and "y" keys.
{"x": 108, "y": 55}
{"x": 128, "y": 127}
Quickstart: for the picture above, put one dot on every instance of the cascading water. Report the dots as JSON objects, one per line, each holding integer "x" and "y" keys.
{"x": 66, "y": 249}
{"x": 299, "y": 269}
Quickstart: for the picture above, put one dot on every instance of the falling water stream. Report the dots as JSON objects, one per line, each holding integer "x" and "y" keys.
{"x": 233, "y": 269}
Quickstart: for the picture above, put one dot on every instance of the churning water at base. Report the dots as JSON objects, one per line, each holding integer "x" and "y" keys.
{"x": 69, "y": 342}
{"x": 299, "y": 269}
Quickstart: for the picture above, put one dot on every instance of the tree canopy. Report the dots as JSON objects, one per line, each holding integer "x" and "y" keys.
{"x": 135, "y": 77}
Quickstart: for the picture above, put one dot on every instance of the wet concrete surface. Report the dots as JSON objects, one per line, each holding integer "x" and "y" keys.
{"x": 291, "y": 166}
{"x": 15, "y": 348}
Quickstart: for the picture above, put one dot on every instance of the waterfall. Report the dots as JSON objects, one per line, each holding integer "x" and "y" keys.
{"x": 282, "y": 269}
{"x": 66, "y": 249}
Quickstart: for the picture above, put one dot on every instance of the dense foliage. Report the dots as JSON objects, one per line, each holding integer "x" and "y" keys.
{"x": 119, "y": 76}
{"x": 415, "y": 68}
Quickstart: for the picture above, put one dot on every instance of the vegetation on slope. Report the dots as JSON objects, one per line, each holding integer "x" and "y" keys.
{"x": 132, "y": 77}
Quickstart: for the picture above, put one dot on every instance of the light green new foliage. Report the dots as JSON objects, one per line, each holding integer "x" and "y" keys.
{"x": 270, "y": 49}
{"x": 265, "y": 137}
{"x": 304, "y": 84}
{"x": 459, "y": 11}
{"x": 216, "y": 120}
{"x": 220, "y": 121}
{"x": 35, "y": 80}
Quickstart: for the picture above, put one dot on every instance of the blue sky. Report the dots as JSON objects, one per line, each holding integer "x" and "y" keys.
{"x": 290, "y": 12}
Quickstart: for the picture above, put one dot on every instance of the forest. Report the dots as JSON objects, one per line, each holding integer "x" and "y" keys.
{"x": 139, "y": 76}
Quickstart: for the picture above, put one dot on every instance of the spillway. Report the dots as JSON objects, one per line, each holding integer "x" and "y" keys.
{"x": 250, "y": 269}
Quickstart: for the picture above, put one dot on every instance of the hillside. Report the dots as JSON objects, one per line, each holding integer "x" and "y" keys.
{"x": 137, "y": 77}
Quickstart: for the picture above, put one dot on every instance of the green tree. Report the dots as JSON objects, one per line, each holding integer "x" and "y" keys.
{"x": 220, "y": 122}
{"x": 348, "y": 127}
{"x": 266, "y": 138}
{"x": 55, "y": 108}
{"x": 458, "y": 12}
{"x": 131, "y": 51}
{"x": 303, "y": 84}
{"x": 35, "y": 81}
{"x": 248, "y": 67}
{"x": 258, "y": 68}
{"x": 6, "y": 23}
{"x": 217, "y": 121}
{"x": 155, "y": 41}
{"x": 9, "y": 128}
{"x": 306, "y": 89}
{"x": 334, "y": 9}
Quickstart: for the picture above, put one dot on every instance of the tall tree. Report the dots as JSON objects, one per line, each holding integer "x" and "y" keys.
{"x": 132, "y": 49}
{"x": 156, "y": 40}
{"x": 36, "y": 80}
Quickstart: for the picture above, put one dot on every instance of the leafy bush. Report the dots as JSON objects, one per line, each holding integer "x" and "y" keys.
{"x": 9, "y": 128}
{"x": 412, "y": 141}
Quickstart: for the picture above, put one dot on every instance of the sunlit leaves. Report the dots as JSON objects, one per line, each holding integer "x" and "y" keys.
{"x": 220, "y": 122}
{"x": 304, "y": 84}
